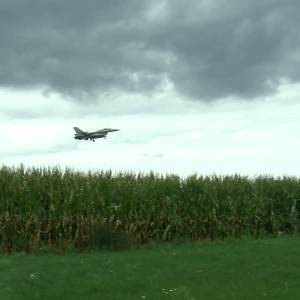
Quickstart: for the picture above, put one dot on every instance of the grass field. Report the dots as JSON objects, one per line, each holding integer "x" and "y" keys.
{"x": 243, "y": 269}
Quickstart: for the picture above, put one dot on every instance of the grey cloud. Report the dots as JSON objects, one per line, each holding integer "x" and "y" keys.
{"x": 12, "y": 114}
{"x": 154, "y": 156}
{"x": 235, "y": 48}
{"x": 208, "y": 49}
{"x": 58, "y": 148}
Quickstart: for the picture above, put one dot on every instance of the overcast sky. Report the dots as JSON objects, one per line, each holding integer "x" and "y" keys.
{"x": 206, "y": 86}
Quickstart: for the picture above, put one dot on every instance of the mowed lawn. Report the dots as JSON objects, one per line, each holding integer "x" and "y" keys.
{"x": 245, "y": 269}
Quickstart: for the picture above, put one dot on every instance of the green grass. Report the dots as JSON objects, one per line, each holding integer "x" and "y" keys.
{"x": 243, "y": 269}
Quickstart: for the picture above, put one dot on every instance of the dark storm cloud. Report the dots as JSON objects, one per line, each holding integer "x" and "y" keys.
{"x": 241, "y": 48}
{"x": 208, "y": 49}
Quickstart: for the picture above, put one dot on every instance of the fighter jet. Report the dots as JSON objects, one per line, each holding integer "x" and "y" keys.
{"x": 84, "y": 135}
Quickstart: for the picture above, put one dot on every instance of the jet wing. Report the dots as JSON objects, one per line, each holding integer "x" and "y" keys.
{"x": 99, "y": 131}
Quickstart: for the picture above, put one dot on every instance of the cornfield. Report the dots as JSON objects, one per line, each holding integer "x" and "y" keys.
{"x": 61, "y": 208}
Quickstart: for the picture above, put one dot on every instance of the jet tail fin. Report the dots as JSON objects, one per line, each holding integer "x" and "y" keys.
{"x": 77, "y": 130}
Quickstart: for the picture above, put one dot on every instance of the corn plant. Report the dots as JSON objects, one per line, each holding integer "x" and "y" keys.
{"x": 66, "y": 208}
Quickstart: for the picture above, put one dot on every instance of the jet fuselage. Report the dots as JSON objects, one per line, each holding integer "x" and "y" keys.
{"x": 83, "y": 135}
